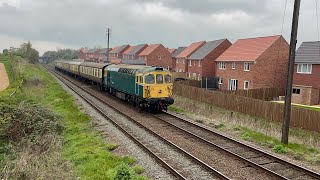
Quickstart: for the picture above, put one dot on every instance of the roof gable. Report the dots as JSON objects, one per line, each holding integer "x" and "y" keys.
{"x": 178, "y": 51}
{"x": 190, "y": 49}
{"x": 308, "y": 52}
{"x": 137, "y": 49}
{"x": 204, "y": 50}
{"x": 119, "y": 49}
{"x": 128, "y": 50}
{"x": 248, "y": 49}
{"x": 149, "y": 49}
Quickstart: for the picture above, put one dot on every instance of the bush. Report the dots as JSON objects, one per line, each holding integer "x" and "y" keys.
{"x": 138, "y": 169}
{"x": 246, "y": 136}
{"x": 280, "y": 149}
{"x": 27, "y": 120}
{"x": 123, "y": 172}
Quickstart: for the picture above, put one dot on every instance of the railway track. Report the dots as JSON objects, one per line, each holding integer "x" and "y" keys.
{"x": 181, "y": 171}
{"x": 246, "y": 153}
{"x": 171, "y": 129}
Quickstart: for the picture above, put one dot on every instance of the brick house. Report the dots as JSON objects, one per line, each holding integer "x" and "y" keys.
{"x": 133, "y": 52}
{"x": 181, "y": 59}
{"x": 202, "y": 62}
{"x": 174, "y": 57}
{"x": 82, "y": 54}
{"x": 102, "y": 54}
{"x": 91, "y": 54}
{"x": 116, "y": 52}
{"x": 306, "y": 78}
{"x": 171, "y": 50}
{"x": 254, "y": 63}
{"x": 156, "y": 55}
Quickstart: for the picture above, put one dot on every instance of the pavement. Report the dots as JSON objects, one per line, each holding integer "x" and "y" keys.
{"x": 4, "y": 80}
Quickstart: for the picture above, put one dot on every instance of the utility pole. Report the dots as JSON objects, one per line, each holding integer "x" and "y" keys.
{"x": 108, "y": 37}
{"x": 288, "y": 95}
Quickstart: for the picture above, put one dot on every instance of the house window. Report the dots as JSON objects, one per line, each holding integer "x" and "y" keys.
{"x": 295, "y": 91}
{"x": 199, "y": 63}
{"x": 194, "y": 75}
{"x": 305, "y": 68}
{"x": 233, "y": 84}
{"x": 246, "y": 66}
{"x": 222, "y": 65}
{"x": 182, "y": 61}
{"x": 190, "y": 62}
{"x": 189, "y": 75}
{"x": 233, "y": 65}
{"x": 246, "y": 85}
{"x": 199, "y": 77}
{"x": 220, "y": 80}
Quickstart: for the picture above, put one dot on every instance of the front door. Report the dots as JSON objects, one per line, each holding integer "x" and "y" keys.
{"x": 233, "y": 84}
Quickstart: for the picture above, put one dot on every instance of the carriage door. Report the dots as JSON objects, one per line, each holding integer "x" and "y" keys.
{"x": 233, "y": 84}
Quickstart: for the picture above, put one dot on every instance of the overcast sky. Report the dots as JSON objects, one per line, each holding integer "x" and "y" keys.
{"x": 52, "y": 24}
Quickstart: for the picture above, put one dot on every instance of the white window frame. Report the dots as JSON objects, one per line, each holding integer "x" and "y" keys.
{"x": 189, "y": 75}
{"x": 233, "y": 84}
{"x": 220, "y": 80}
{"x": 199, "y": 77}
{"x": 190, "y": 62}
{"x": 182, "y": 61}
{"x": 244, "y": 85}
{"x": 199, "y": 63}
{"x": 246, "y": 66}
{"x": 222, "y": 65}
{"x": 233, "y": 65}
{"x": 300, "y": 68}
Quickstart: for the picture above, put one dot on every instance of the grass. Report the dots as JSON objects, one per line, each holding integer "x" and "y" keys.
{"x": 83, "y": 146}
{"x": 304, "y": 145}
{"x": 302, "y": 106}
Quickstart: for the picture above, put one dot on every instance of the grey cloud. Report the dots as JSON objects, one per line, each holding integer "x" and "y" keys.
{"x": 82, "y": 23}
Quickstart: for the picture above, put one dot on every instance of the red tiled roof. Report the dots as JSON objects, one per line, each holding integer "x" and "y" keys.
{"x": 149, "y": 49}
{"x": 114, "y": 49}
{"x": 190, "y": 49}
{"x": 248, "y": 49}
{"x": 83, "y": 51}
{"x": 128, "y": 50}
{"x": 172, "y": 50}
{"x": 115, "y": 60}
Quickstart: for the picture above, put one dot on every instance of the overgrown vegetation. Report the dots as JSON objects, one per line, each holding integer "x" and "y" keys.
{"x": 50, "y": 56}
{"x": 304, "y": 145}
{"x": 44, "y": 135}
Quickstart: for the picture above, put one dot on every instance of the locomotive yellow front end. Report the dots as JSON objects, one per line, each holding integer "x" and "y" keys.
{"x": 157, "y": 88}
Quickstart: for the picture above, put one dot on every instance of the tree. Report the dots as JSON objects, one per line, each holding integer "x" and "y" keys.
{"x": 5, "y": 51}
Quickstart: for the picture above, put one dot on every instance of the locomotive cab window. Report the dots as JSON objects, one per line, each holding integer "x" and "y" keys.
{"x": 159, "y": 79}
{"x": 149, "y": 79}
{"x": 168, "y": 78}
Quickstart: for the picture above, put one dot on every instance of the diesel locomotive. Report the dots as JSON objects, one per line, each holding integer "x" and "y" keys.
{"x": 144, "y": 86}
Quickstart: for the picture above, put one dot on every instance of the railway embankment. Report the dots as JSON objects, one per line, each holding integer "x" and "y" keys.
{"x": 303, "y": 149}
{"x": 44, "y": 134}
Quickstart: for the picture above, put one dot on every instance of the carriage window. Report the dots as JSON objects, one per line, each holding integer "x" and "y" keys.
{"x": 138, "y": 78}
{"x": 159, "y": 79}
{"x": 149, "y": 79}
{"x": 141, "y": 79}
{"x": 168, "y": 78}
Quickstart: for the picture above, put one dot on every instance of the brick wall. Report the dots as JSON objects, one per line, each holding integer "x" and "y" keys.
{"x": 207, "y": 66}
{"x": 269, "y": 70}
{"x": 181, "y": 65}
{"x": 308, "y": 79}
{"x": 160, "y": 57}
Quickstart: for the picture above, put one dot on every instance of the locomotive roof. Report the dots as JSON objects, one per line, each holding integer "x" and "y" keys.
{"x": 94, "y": 65}
{"x": 133, "y": 69}
{"x": 69, "y": 62}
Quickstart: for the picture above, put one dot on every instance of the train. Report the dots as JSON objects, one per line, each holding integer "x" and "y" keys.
{"x": 146, "y": 87}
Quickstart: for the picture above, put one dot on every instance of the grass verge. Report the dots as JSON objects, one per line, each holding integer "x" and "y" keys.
{"x": 304, "y": 145}
{"x": 84, "y": 150}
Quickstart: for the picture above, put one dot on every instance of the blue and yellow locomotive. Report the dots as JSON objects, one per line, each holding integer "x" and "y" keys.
{"x": 145, "y": 86}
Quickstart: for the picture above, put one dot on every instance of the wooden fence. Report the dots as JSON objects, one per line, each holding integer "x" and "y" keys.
{"x": 266, "y": 94}
{"x": 300, "y": 117}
